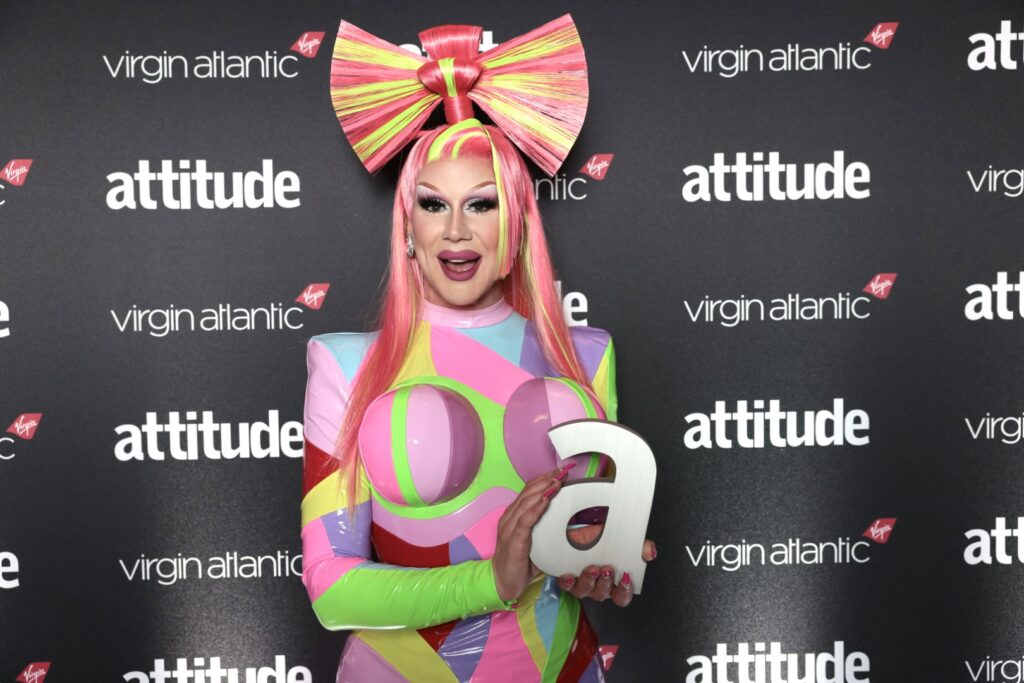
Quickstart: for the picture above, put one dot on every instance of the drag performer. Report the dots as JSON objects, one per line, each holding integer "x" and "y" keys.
{"x": 427, "y": 462}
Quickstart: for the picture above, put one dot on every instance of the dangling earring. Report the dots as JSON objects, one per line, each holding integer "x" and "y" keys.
{"x": 410, "y": 249}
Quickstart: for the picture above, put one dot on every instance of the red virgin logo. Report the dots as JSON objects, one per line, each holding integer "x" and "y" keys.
{"x": 313, "y": 295}
{"x": 309, "y": 43}
{"x": 880, "y": 530}
{"x": 597, "y": 166}
{"x": 607, "y": 653}
{"x": 16, "y": 171}
{"x": 34, "y": 673}
{"x": 880, "y": 286}
{"x": 881, "y": 35}
{"x": 24, "y": 427}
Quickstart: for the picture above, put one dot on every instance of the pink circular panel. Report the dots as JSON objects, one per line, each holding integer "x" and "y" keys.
{"x": 444, "y": 442}
{"x": 535, "y": 407}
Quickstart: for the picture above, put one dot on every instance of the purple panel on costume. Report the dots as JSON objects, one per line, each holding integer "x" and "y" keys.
{"x": 461, "y": 550}
{"x": 360, "y": 662}
{"x": 594, "y": 673}
{"x": 464, "y": 646}
{"x": 348, "y": 538}
{"x": 590, "y": 346}
{"x": 532, "y": 360}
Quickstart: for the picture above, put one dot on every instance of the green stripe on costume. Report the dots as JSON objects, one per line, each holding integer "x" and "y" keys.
{"x": 594, "y": 461}
{"x": 565, "y": 633}
{"x": 403, "y": 472}
{"x": 495, "y": 469}
{"x": 417, "y": 598}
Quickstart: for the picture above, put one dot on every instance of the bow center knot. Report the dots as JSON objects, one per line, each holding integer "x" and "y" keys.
{"x": 451, "y": 78}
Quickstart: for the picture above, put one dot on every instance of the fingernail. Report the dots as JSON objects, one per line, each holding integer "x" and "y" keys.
{"x": 627, "y": 583}
{"x": 550, "y": 492}
{"x": 569, "y": 580}
{"x": 607, "y": 573}
{"x": 654, "y": 550}
{"x": 564, "y": 472}
{"x": 594, "y": 573}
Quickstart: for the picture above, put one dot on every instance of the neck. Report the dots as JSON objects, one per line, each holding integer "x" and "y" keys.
{"x": 461, "y": 317}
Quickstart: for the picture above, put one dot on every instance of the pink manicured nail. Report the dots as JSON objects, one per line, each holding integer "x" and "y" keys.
{"x": 594, "y": 573}
{"x": 564, "y": 472}
{"x": 550, "y": 492}
{"x": 569, "y": 580}
{"x": 626, "y": 583}
{"x": 654, "y": 550}
{"x": 607, "y": 574}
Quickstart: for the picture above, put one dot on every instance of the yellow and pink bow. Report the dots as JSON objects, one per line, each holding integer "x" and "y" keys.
{"x": 533, "y": 87}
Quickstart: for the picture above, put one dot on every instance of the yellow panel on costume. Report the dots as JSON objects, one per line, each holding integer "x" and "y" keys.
{"x": 604, "y": 383}
{"x": 329, "y": 496}
{"x": 418, "y": 363}
{"x": 406, "y": 650}
{"x": 526, "y": 615}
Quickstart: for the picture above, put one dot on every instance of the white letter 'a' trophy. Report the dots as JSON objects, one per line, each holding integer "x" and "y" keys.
{"x": 628, "y": 499}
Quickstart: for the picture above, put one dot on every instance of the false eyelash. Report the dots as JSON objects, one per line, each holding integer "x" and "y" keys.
{"x": 482, "y": 204}
{"x": 431, "y": 203}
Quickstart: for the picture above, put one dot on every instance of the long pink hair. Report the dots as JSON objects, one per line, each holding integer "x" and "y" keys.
{"x": 528, "y": 283}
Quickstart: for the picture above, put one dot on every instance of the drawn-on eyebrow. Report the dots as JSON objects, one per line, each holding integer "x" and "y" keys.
{"x": 475, "y": 187}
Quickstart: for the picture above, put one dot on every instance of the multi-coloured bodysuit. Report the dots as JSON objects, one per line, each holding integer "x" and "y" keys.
{"x": 443, "y": 453}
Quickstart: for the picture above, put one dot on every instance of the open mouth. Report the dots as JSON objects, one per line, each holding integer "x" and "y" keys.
{"x": 459, "y": 265}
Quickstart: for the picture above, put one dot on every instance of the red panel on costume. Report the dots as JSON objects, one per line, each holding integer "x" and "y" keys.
{"x": 581, "y": 652}
{"x": 316, "y": 466}
{"x": 393, "y": 550}
{"x": 436, "y": 635}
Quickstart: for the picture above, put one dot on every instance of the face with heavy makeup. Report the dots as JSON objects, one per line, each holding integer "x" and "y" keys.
{"x": 454, "y": 228}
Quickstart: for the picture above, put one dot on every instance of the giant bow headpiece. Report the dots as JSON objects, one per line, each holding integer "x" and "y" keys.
{"x": 533, "y": 87}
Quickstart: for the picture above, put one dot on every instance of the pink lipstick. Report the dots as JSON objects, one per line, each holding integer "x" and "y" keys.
{"x": 459, "y": 265}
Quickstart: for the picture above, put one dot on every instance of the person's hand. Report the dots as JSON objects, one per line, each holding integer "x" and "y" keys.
{"x": 596, "y": 582}
{"x": 511, "y": 562}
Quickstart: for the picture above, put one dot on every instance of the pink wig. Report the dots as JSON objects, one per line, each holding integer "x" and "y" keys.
{"x": 528, "y": 283}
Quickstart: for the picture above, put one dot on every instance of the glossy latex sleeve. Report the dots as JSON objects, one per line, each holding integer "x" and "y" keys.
{"x": 349, "y": 590}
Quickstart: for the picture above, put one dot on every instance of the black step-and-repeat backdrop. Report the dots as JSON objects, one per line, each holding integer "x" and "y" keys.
{"x": 800, "y": 221}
